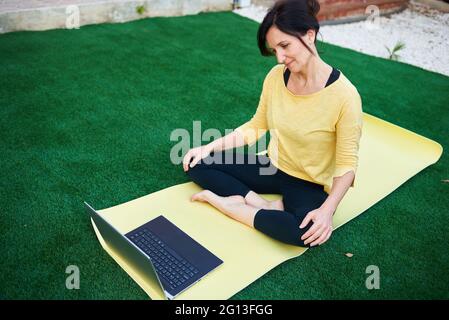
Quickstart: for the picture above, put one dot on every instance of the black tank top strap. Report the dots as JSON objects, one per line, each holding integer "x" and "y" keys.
{"x": 335, "y": 74}
{"x": 286, "y": 76}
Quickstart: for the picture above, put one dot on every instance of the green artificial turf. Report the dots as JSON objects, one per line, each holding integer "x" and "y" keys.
{"x": 87, "y": 115}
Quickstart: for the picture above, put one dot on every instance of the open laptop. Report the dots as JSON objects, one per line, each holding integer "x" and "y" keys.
{"x": 163, "y": 254}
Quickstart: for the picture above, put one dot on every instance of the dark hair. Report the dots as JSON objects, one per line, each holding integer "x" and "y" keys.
{"x": 294, "y": 17}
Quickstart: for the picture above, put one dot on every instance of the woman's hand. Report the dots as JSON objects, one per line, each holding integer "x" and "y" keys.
{"x": 321, "y": 229}
{"x": 197, "y": 154}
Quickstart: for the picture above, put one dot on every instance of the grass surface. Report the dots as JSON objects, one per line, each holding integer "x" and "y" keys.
{"x": 87, "y": 115}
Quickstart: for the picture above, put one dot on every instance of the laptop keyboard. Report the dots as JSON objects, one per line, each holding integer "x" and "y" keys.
{"x": 169, "y": 265}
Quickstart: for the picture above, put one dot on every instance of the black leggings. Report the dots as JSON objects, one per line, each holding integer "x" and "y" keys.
{"x": 241, "y": 173}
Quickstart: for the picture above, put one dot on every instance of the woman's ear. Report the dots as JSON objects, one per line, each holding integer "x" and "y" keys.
{"x": 311, "y": 34}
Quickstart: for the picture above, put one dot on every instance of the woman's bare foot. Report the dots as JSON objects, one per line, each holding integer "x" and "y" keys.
{"x": 201, "y": 196}
{"x": 255, "y": 200}
{"x": 206, "y": 195}
{"x": 232, "y": 206}
{"x": 276, "y": 205}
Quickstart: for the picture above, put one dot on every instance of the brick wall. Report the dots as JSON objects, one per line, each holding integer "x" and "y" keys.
{"x": 337, "y": 9}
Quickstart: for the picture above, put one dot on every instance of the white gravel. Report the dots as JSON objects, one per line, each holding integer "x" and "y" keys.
{"x": 424, "y": 32}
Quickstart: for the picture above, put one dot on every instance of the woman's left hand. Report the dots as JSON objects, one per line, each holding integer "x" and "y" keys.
{"x": 321, "y": 229}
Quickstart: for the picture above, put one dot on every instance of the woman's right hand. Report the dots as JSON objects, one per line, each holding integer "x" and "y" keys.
{"x": 197, "y": 154}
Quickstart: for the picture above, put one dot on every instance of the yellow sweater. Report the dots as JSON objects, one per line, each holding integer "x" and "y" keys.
{"x": 314, "y": 137}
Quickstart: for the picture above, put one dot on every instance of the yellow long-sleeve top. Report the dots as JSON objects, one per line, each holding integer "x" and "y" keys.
{"x": 314, "y": 137}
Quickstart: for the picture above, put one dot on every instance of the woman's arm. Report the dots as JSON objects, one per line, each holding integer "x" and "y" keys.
{"x": 247, "y": 133}
{"x": 232, "y": 140}
{"x": 339, "y": 188}
{"x": 348, "y": 134}
{"x": 321, "y": 229}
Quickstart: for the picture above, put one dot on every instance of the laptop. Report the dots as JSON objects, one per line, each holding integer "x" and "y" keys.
{"x": 164, "y": 255}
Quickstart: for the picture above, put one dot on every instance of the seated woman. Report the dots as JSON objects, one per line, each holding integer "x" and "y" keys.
{"x": 314, "y": 115}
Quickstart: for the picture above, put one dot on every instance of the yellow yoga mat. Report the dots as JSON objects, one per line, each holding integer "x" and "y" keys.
{"x": 389, "y": 155}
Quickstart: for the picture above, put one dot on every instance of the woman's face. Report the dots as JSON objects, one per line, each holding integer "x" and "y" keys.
{"x": 289, "y": 50}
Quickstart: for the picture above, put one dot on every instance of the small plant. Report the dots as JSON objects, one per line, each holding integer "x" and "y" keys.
{"x": 140, "y": 9}
{"x": 393, "y": 52}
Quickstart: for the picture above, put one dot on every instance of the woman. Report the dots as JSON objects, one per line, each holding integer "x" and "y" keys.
{"x": 314, "y": 115}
